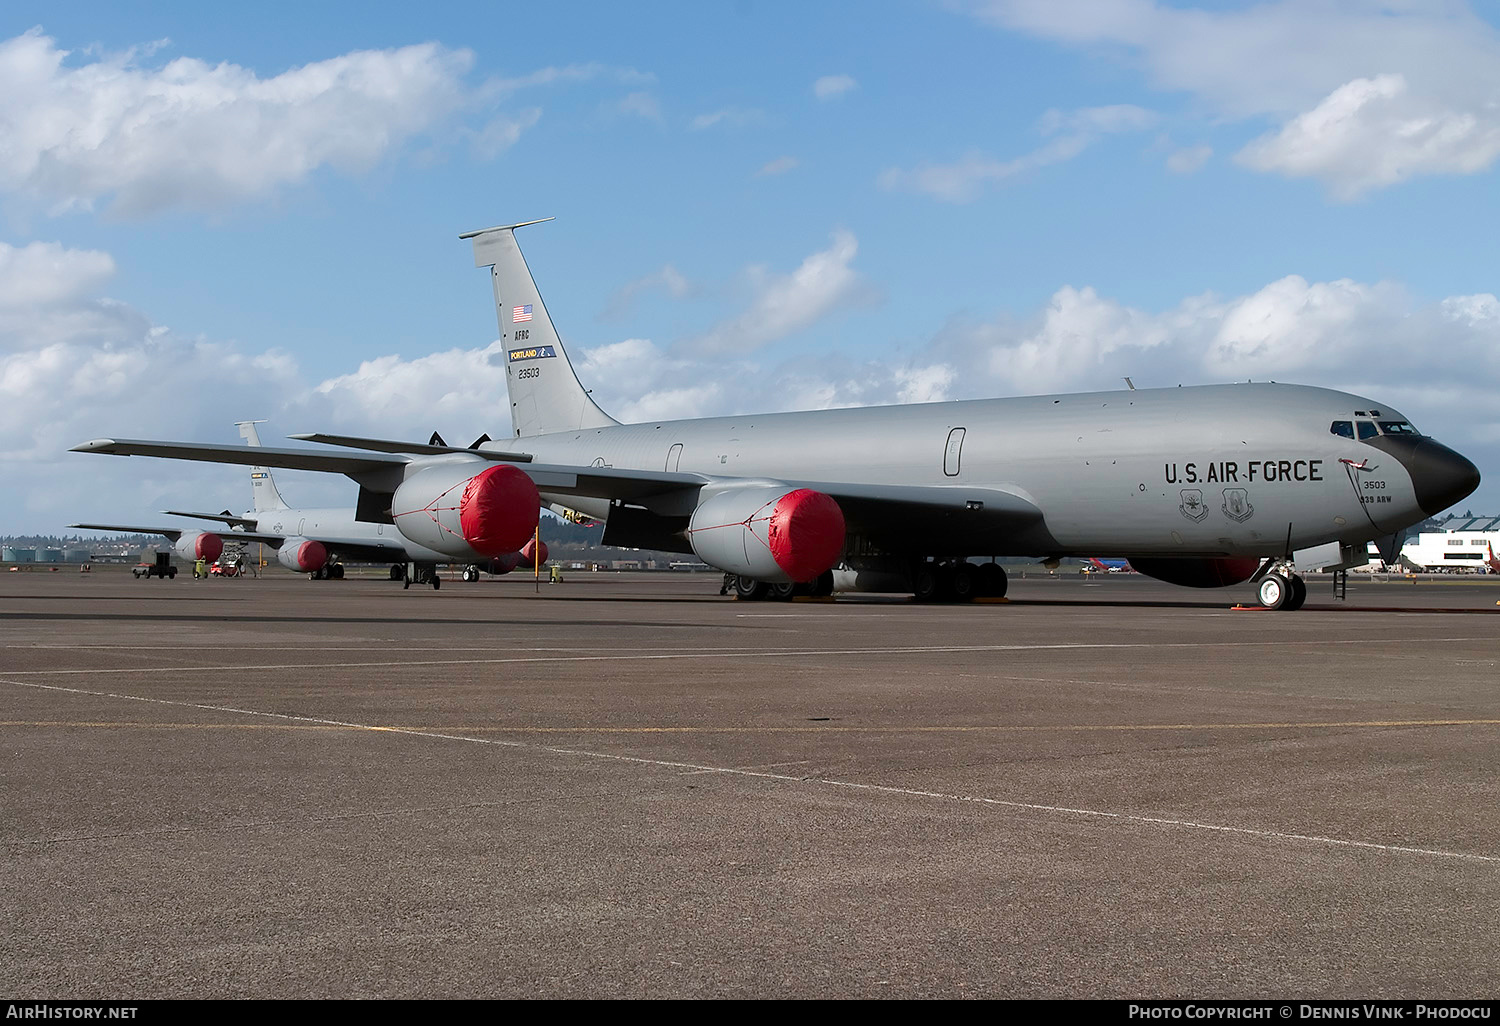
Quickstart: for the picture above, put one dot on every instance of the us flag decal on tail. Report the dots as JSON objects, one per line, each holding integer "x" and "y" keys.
{"x": 520, "y": 313}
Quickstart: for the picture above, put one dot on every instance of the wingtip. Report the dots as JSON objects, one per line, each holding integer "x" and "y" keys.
{"x": 94, "y": 445}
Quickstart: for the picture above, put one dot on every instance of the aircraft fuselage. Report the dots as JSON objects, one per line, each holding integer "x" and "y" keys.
{"x": 1219, "y": 470}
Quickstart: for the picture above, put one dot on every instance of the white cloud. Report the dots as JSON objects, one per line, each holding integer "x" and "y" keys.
{"x": 1187, "y": 161}
{"x": 501, "y": 133}
{"x": 1089, "y": 121}
{"x": 1310, "y": 65}
{"x": 641, "y": 105}
{"x": 928, "y": 384}
{"x": 199, "y": 135}
{"x": 1371, "y": 133}
{"x": 965, "y": 179}
{"x": 570, "y": 73}
{"x": 831, "y": 87}
{"x": 668, "y": 279}
{"x": 736, "y": 117}
{"x": 42, "y": 274}
{"x": 784, "y": 304}
{"x": 779, "y": 166}
{"x": 390, "y": 391}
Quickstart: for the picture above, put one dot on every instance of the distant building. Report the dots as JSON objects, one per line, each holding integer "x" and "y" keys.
{"x": 1461, "y": 545}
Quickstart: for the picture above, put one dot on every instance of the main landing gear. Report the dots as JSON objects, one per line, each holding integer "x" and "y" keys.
{"x": 959, "y": 581}
{"x": 331, "y": 572}
{"x": 1282, "y": 589}
{"x": 748, "y": 589}
{"x": 421, "y": 575}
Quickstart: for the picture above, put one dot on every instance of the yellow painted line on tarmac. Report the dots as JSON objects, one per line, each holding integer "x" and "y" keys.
{"x": 786, "y": 729}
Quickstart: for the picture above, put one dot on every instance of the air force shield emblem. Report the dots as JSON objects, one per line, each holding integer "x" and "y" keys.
{"x": 1192, "y": 505}
{"x": 1237, "y": 505}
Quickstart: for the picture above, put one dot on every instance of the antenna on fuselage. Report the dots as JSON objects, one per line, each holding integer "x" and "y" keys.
{"x": 1130, "y": 384}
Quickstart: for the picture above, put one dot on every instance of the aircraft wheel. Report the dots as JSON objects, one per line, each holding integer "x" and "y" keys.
{"x": 992, "y": 580}
{"x": 338, "y": 571}
{"x": 823, "y": 586}
{"x": 1275, "y": 591}
{"x": 963, "y": 586}
{"x": 1299, "y": 593}
{"x": 471, "y": 573}
{"x": 751, "y": 590}
{"x": 316, "y": 575}
{"x": 437, "y": 580}
{"x": 926, "y": 583}
{"x": 397, "y": 571}
{"x": 405, "y": 580}
{"x": 783, "y": 592}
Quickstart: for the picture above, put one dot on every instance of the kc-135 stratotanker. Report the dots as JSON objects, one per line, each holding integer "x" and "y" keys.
{"x": 1203, "y": 486}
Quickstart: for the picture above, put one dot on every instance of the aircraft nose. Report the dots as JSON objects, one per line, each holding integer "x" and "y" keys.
{"x": 1440, "y": 476}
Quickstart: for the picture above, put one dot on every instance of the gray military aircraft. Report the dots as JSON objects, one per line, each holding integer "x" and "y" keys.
{"x": 1204, "y": 486}
{"x": 310, "y": 541}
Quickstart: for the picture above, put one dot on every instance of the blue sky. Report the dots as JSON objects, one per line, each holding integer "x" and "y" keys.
{"x": 209, "y": 214}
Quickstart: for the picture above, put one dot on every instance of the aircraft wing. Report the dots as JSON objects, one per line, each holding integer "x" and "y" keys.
{"x": 173, "y": 533}
{"x": 904, "y": 505}
{"x": 891, "y": 516}
{"x": 264, "y": 456}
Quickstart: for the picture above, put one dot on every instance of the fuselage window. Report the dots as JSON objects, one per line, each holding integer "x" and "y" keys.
{"x": 1343, "y": 428}
{"x": 1397, "y": 427}
{"x": 1366, "y": 430}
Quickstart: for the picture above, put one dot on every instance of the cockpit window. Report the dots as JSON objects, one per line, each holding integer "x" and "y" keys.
{"x": 1397, "y": 427}
{"x": 1366, "y": 430}
{"x": 1342, "y": 428}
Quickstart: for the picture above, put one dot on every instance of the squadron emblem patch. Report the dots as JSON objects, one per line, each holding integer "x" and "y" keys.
{"x": 1192, "y": 505}
{"x": 1237, "y": 505}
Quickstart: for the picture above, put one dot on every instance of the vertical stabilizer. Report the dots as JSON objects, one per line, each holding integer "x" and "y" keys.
{"x": 545, "y": 394}
{"x": 263, "y": 491}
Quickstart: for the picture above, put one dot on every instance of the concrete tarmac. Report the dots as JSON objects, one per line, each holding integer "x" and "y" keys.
{"x": 628, "y": 786}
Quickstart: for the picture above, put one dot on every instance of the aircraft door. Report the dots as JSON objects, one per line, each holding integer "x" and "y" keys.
{"x": 953, "y": 452}
{"x": 674, "y": 457}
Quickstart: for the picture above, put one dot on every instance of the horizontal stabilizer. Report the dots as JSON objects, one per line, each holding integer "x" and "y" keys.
{"x": 170, "y": 533}
{"x": 435, "y": 447}
{"x": 224, "y": 518}
{"x": 173, "y": 533}
{"x": 503, "y": 228}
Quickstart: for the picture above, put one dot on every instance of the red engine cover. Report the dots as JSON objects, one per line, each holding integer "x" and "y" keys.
{"x": 501, "y": 565}
{"x": 1198, "y": 573}
{"x": 208, "y": 546}
{"x": 497, "y": 512}
{"x": 530, "y": 551}
{"x": 806, "y": 533}
{"x": 311, "y": 556}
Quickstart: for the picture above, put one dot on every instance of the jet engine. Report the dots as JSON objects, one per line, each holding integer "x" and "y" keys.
{"x": 1198, "y": 573}
{"x": 502, "y": 565}
{"x": 302, "y": 555}
{"x": 532, "y": 554}
{"x": 470, "y": 516}
{"x": 199, "y": 545}
{"x": 768, "y": 532}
